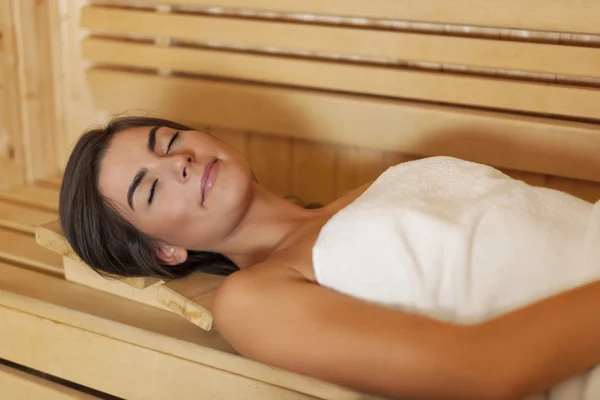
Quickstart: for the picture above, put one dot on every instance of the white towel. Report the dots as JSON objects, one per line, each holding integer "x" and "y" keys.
{"x": 463, "y": 242}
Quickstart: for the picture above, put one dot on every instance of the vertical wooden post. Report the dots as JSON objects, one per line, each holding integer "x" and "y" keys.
{"x": 12, "y": 158}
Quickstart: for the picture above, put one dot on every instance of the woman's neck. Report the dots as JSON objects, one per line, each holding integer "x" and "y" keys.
{"x": 269, "y": 221}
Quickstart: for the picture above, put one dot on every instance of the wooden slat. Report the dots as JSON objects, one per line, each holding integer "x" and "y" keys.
{"x": 35, "y": 196}
{"x": 313, "y": 172}
{"x": 355, "y": 167}
{"x": 437, "y": 87}
{"x": 23, "y": 218}
{"x": 12, "y": 154}
{"x": 36, "y": 72}
{"x": 271, "y": 161}
{"x": 21, "y": 248}
{"x": 69, "y": 324}
{"x": 236, "y": 139}
{"x": 391, "y": 159}
{"x": 510, "y": 141}
{"x": 52, "y": 182}
{"x": 533, "y": 57}
{"x": 191, "y": 297}
{"x": 17, "y": 384}
{"x": 557, "y": 15}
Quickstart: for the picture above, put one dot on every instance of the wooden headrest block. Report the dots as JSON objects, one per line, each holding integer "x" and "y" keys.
{"x": 190, "y": 297}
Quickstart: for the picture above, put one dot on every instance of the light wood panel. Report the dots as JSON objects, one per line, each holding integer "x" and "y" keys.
{"x": 12, "y": 156}
{"x": 36, "y": 71}
{"x": 23, "y": 218}
{"x": 313, "y": 172}
{"x": 35, "y": 196}
{"x": 463, "y": 90}
{"x": 78, "y": 324}
{"x": 558, "y": 15}
{"x": 355, "y": 167}
{"x": 547, "y": 58}
{"x": 515, "y": 142}
{"x": 236, "y": 139}
{"x": 21, "y": 248}
{"x": 17, "y": 384}
{"x": 271, "y": 161}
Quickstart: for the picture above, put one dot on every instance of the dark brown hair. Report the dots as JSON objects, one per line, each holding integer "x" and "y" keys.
{"x": 95, "y": 230}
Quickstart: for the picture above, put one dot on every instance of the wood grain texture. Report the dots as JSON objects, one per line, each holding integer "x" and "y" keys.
{"x": 22, "y": 218}
{"x": 522, "y": 96}
{"x": 319, "y": 39}
{"x": 141, "y": 336}
{"x": 271, "y": 161}
{"x": 516, "y": 142}
{"x": 558, "y": 15}
{"x": 314, "y": 172}
{"x": 20, "y": 248}
{"x": 355, "y": 167}
{"x": 17, "y": 384}
{"x": 35, "y": 196}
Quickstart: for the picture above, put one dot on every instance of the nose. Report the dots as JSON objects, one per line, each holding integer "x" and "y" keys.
{"x": 181, "y": 167}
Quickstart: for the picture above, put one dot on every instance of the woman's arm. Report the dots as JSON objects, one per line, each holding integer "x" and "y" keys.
{"x": 274, "y": 316}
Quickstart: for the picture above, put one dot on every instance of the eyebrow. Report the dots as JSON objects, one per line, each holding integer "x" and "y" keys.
{"x": 152, "y": 138}
{"x": 139, "y": 177}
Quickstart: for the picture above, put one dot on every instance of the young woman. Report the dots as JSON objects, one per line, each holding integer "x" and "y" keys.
{"x": 427, "y": 283}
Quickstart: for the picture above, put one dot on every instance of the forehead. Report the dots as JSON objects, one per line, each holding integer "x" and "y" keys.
{"x": 127, "y": 152}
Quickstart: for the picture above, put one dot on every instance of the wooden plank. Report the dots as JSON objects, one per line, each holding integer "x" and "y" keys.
{"x": 12, "y": 154}
{"x": 236, "y": 139}
{"x": 36, "y": 73}
{"x": 516, "y": 142}
{"x": 473, "y": 52}
{"x": 17, "y": 384}
{"x": 21, "y": 248}
{"x": 51, "y": 182}
{"x": 558, "y": 15}
{"x": 313, "y": 172}
{"x": 355, "y": 167}
{"x": 588, "y": 191}
{"x": 191, "y": 297}
{"x": 71, "y": 349}
{"x": 72, "y": 320}
{"x": 531, "y": 97}
{"x": 76, "y": 271}
{"x": 35, "y": 196}
{"x": 271, "y": 161}
{"x": 22, "y": 218}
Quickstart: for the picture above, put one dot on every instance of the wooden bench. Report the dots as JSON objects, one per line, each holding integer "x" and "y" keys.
{"x": 320, "y": 97}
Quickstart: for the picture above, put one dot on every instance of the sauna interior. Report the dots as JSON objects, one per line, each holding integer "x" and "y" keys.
{"x": 320, "y": 96}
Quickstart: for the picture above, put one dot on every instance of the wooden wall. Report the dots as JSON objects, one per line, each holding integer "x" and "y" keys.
{"x": 492, "y": 78}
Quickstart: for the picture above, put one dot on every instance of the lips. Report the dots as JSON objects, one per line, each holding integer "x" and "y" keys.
{"x": 209, "y": 176}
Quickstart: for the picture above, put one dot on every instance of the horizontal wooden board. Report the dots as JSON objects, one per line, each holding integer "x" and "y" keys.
{"x": 474, "y": 52}
{"x": 78, "y": 324}
{"x": 17, "y": 384}
{"x": 510, "y": 141}
{"x": 21, "y": 248}
{"x": 35, "y": 196}
{"x": 23, "y": 218}
{"x": 66, "y": 351}
{"x": 540, "y": 98}
{"x": 557, "y": 15}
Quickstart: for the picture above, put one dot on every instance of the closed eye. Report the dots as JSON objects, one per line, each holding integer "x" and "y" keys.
{"x": 173, "y": 139}
{"x": 152, "y": 191}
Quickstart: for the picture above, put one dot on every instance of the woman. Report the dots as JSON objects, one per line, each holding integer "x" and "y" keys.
{"x": 351, "y": 292}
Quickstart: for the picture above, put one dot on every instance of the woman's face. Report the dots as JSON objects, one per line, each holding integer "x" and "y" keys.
{"x": 185, "y": 188}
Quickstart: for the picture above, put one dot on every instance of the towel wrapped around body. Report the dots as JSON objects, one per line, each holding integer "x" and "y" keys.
{"x": 463, "y": 242}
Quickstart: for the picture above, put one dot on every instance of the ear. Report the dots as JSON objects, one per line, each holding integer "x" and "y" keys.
{"x": 171, "y": 255}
